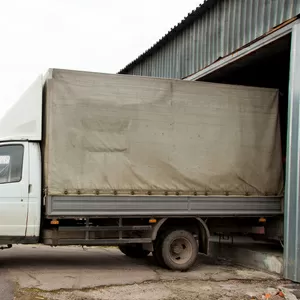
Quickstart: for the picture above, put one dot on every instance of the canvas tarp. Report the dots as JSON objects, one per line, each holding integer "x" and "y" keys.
{"x": 126, "y": 134}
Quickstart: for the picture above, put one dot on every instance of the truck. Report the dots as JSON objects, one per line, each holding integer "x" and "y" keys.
{"x": 146, "y": 164}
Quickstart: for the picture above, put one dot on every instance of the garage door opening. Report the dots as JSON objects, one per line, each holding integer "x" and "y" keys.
{"x": 273, "y": 61}
{"x": 267, "y": 67}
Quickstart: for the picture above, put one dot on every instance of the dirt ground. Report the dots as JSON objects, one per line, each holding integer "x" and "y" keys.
{"x": 167, "y": 290}
{"x": 73, "y": 273}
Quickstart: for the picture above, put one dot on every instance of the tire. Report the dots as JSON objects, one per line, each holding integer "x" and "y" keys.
{"x": 179, "y": 250}
{"x": 157, "y": 254}
{"x": 134, "y": 250}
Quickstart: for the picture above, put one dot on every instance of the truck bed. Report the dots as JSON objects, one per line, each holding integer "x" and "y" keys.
{"x": 115, "y": 143}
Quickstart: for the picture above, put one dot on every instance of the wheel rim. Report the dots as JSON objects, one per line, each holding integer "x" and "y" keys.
{"x": 180, "y": 250}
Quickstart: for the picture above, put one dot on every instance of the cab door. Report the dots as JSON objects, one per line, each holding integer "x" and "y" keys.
{"x": 14, "y": 171}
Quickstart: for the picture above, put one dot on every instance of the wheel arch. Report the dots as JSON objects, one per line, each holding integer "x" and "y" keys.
{"x": 204, "y": 233}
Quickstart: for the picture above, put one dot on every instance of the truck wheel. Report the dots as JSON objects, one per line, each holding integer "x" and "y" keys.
{"x": 179, "y": 250}
{"x": 134, "y": 251}
{"x": 157, "y": 254}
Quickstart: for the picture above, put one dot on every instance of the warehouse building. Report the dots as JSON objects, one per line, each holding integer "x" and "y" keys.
{"x": 249, "y": 42}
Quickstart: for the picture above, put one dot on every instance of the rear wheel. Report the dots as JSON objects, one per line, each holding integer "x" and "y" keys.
{"x": 179, "y": 250}
{"x": 134, "y": 250}
{"x": 157, "y": 254}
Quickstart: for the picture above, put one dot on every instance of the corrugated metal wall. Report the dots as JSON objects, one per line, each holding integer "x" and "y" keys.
{"x": 227, "y": 26}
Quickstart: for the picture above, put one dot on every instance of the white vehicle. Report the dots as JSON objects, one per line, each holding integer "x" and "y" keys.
{"x": 150, "y": 165}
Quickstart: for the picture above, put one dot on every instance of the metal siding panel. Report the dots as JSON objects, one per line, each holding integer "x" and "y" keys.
{"x": 205, "y": 39}
{"x": 289, "y": 9}
{"x": 284, "y": 12}
{"x": 243, "y": 24}
{"x": 157, "y": 65}
{"x": 161, "y": 206}
{"x": 187, "y": 51}
{"x": 187, "y": 54}
{"x": 181, "y": 54}
{"x": 222, "y": 29}
{"x": 231, "y": 26}
{"x": 159, "y": 74}
{"x": 146, "y": 71}
{"x": 234, "y": 26}
{"x": 153, "y": 64}
{"x": 189, "y": 46}
{"x": 216, "y": 36}
{"x": 149, "y": 67}
{"x": 297, "y": 7}
{"x": 184, "y": 54}
{"x": 219, "y": 39}
{"x": 292, "y": 207}
{"x": 259, "y": 19}
{"x": 163, "y": 64}
{"x": 173, "y": 62}
{"x": 177, "y": 57}
{"x": 167, "y": 60}
{"x": 202, "y": 43}
{"x": 226, "y": 26}
{"x": 267, "y": 19}
{"x": 200, "y": 46}
{"x": 143, "y": 68}
{"x": 196, "y": 46}
{"x": 194, "y": 53}
{"x": 214, "y": 32}
{"x": 275, "y": 13}
{"x": 192, "y": 49}
{"x": 238, "y": 34}
{"x": 140, "y": 68}
{"x": 156, "y": 69}
{"x": 211, "y": 36}
{"x": 253, "y": 19}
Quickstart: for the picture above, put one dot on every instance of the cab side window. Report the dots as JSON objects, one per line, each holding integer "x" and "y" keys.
{"x": 11, "y": 163}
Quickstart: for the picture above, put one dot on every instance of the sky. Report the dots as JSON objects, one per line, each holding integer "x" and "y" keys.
{"x": 90, "y": 35}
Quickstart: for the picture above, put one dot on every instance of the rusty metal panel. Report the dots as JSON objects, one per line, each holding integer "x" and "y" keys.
{"x": 213, "y": 30}
{"x": 292, "y": 204}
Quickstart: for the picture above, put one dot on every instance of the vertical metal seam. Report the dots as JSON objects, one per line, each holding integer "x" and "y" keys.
{"x": 291, "y": 224}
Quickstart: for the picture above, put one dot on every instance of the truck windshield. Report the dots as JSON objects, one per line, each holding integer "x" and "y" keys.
{"x": 11, "y": 163}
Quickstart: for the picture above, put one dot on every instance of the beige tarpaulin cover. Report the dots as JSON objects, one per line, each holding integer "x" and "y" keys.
{"x": 124, "y": 134}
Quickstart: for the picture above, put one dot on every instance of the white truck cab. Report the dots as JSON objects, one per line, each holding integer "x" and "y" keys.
{"x": 20, "y": 169}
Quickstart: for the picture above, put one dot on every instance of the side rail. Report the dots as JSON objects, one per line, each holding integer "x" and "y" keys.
{"x": 162, "y": 206}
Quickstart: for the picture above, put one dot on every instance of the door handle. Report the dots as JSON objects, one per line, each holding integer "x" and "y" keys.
{"x": 29, "y": 188}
